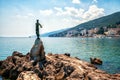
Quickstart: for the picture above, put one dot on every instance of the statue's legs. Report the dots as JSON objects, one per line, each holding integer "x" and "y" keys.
{"x": 37, "y": 33}
{"x": 37, "y": 36}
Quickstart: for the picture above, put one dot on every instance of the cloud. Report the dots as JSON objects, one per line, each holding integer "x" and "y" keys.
{"x": 93, "y": 12}
{"x": 69, "y": 11}
{"x": 76, "y": 1}
{"x": 59, "y": 11}
{"x": 46, "y": 12}
{"x": 79, "y": 13}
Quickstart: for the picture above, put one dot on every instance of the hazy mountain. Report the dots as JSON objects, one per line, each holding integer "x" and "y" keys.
{"x": 50, "y": 33}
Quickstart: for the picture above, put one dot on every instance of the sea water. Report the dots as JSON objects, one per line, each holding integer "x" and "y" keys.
{"x": 107, "y": 49}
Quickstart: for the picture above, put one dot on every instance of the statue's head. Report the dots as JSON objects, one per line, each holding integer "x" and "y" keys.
{"x": 37, "y": 20}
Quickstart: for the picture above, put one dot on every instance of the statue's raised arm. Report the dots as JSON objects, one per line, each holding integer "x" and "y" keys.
{"x": 40, "y": 25}
{"x": 37, "y": 29}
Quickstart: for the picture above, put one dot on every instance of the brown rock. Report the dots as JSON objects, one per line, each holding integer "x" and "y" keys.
{"x": 96, "y": 61}
{"x": 76, "y": 75}
{"x": 50, "y": 54}
{"x": 14, "y": 73}
{"x": 38, "y": 72}
{"x": 49, "y": 78}
{"x": 67, "y": 54}
{"x": 27, "y": 65}
{"x": 13, "y": 65}
{"x": 28, "y": 75}
{"x": 77, "y": 58}
{"x": 60, "y": 75}
{"x": 5, "y": 69}
{"x": 15, "y": 53}
{"x": 68, "y": 70}
{"x": 1, "y": 63}
{"x": 58, "y": 64}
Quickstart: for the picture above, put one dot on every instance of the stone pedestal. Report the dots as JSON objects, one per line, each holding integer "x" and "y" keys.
{"x": 37, "y": 51}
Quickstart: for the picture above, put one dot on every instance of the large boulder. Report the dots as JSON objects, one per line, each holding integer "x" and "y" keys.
{"x": 37, "y": 52}
{"x": 96, "y": 61}
{"x": 16, "y": 53}
{"x": 14, "y": 65}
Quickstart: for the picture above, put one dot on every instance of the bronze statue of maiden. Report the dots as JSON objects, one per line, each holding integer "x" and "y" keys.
{"x": 37, "y": 29}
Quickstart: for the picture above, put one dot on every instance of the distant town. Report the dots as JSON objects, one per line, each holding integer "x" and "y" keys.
{"x": 95, "y": 32}
{"x": 106, "y": 31}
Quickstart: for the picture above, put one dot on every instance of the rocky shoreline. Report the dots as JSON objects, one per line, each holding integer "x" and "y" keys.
{"x": 55, "y": 67}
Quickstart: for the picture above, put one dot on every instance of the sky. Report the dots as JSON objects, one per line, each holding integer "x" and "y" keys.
{"x": 18, "y": 17}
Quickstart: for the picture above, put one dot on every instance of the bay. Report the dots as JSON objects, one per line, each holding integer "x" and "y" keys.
{"x": 107, "y": 49}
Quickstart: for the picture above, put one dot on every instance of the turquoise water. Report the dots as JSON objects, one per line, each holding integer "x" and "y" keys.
{"x": 108, "y": 49}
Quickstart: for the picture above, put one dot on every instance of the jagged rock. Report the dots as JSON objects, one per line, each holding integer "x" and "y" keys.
{"x": 15, "y": 64}
{"x": 5, "y": 68}
{"x": 96, "y": 61}
{"x": 50, "y": 54}
{"x": 77, "y": 58}
{"x": 15, "y": 53}
{"x": 60, "y": 75}
{"x": 58, "y": 64}
{"x": 68, "y": 70}
{"x": 27, "y": 65}
{"x": 14, "y": 73}
{"x": 28, "y": 75}
{"x": 67, "y": 54}
{"x": 1, "y": 62}
{"x": 56, "y": 67}
{"x": 38, "y": 72}
{"x": 37, "y": 52}
{"x": 50, "y": 78}
{"x": 56, "y": 56}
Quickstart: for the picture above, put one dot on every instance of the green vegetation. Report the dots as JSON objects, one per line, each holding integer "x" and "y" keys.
{"x": 101, "y": 31}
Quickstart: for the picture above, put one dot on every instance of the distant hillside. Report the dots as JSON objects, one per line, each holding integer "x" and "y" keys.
{"x": 53, "y": 32}
{"x": 100, "y": 22}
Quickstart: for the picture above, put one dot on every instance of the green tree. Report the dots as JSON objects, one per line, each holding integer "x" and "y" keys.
{"x": 101, "y": 31}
